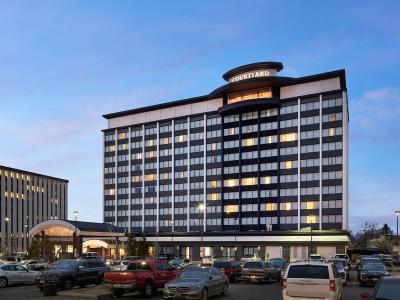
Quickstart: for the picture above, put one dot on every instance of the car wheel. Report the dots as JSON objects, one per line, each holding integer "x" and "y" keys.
{"x": 118, "y": 293}
{"x": 147, "y": 290}
{"x": 67, "y": 285}
{"x": 225, "y": 290}
{"x": 269, "y": 279}
{"x": 204, "y": 294}
{"x": 3, "y": 282}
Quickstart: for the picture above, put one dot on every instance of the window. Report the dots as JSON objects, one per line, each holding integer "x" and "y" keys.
{"x": 180, "y": 138}
{"x": 332, "y": 131}
{"x": 332, "y": 102}
{"x": 332, "y": 146}
{"x": 289, "y": 109}
{"x": 249, "y": 142}
{"x": 311, "y": 219}
{"x": 231, "y": 208}
{"x": 310, "y": 106}
{"x": 288, "y": 137}
{"x": 268, "y": 179}
{"x": 214, "y": 196}
{"x": 332, "y": 117}
{"x": 231, "y": 131}
{"x": 289, "y": 164}
{"x": 249, "y": 181}
{"x": 250, "y": 95}
{"x": 231, "y": 182}
{"x": 288, "y": 123}
{"x": 268, "y": 113}
{"x": 213, "y": 121}
{"x": 232, "y": 118}
{"x": 250, "y": 115}
{"x": 269, "y": 206}
{"x": 268, "y": 139}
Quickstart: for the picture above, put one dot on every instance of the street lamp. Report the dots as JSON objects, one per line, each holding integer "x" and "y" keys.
{"x": 76, "y": 215}
{"x": 202, "y": 209}
{"x": 397, "y": 213}
{"x": 7, "y": 220}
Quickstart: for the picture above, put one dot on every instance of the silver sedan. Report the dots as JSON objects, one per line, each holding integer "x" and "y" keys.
{"x": 16, "y": 274}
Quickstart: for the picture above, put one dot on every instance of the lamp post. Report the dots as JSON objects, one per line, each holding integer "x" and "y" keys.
{"x": 202, "y": 209}
{"x": 397, "y": 212}
{"x": 76, "y": 213}
{"x": 26, "y": 236}
{"x": 7, "y": 220}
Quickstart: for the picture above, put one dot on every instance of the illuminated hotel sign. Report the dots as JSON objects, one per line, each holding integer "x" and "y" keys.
{"x": 253, "y": 74}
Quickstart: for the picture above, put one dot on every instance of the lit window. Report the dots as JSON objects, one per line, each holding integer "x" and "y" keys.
{"x": 213, "y": 184}
{"x": 249, "y": 181}
{"x": 266, "y": 180}
{"x": 214, "y": 146}
{"x": 288, "y": 137}
{"x": 331, "y": 131}
{"x": 231, "y": 208}
{"x": 250, "y": 95}
{"x": 311, "y": 219}
{"x": 288, "y": 164}
{"x": 288, "y": 206}
{"x": 214, "y": 196}
{"x": 180, "y": 138}
{"x": 310, "y": 205}
{"x": 249, "y": 142}
{"x": 150, "y": 177}
{"x": 270, "y": 207}
{"x": 231, "y": 182}
{"x": 136, "y": 178}
{"x": 122, "y": 135}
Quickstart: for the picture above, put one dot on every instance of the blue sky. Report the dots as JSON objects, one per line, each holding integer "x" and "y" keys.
{"x": 65, "y": 63}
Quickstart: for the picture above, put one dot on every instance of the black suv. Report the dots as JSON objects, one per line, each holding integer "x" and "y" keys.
{"x": 67, "y": 273}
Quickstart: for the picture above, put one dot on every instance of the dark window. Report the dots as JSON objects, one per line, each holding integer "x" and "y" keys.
{"x": 253, "y": 265}
{"x": 8, "y": 268}
{"x": 131, "y": 267}
{"x": 308, "y": 271}
{"x": 159, "y": 266}
{"x": 222, "y": 264}
{"x": 388, "y": 290}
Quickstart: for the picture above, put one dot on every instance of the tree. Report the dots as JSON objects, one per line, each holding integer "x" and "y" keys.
{"x": 132, "y": 246}
{"x": 34, "y": 249}
{"x": 143, "y": 247}
{"x": 386, "y": 230}
{"x": 368, "y": 232}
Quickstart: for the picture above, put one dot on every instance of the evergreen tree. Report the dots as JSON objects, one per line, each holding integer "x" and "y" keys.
{"x": 34, "y": 249}
{"x": 386, "y": 230}
{"x": 132, "y": 245}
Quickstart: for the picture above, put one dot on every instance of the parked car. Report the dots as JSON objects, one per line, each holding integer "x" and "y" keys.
{"x": 367, "y": 260}
{"x": 90, "y": 255}
{"x": 387, "y": 288}
{"x": 370, "y": 273}
{"x": 197, "y": 283}
{"x": 386, "y": 259}
{"x": 230, "y": 268}
{"x": 340, "y": 265}
{"x": 179, "y": 263}
{"x": 260, "y": 271}
{"x": 249, "y": 257}
{"x": 208, "y": 260}
{"x": 12, "y": 259}
{"x": 343, "y": 256}
{"x": 316, "y": 257}
{"x": 16, "y": 274}
{"x": 29, "y": 264}
{"x": 42, "y": 263}
{"x": 312, "y": 280}
{"x": 67, "y": 273}
{"x": 142, "y": 275}
{"x": 166, "y": 256}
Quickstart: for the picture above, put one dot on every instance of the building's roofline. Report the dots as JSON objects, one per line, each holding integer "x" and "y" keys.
{"x": 331, "y": 74}
{"x": 32, "y": 173}
{"x": 251, "y": 67}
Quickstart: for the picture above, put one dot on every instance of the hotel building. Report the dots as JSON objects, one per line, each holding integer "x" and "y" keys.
{"x": 27, "y": 199}
{"x": 259, "y": 165}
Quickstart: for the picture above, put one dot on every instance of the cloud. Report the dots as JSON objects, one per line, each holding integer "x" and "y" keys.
{"x": 374, "y": 113}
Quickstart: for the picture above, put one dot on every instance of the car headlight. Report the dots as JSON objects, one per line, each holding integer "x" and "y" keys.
{"x": 387, "y": 273}
{"x": 195, "y": 288}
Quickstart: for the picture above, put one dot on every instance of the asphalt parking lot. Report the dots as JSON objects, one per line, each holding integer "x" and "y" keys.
{"x": 236, "y": 291}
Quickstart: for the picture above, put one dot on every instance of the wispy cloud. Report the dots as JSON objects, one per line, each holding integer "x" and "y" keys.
{"x": 373, "y": 113}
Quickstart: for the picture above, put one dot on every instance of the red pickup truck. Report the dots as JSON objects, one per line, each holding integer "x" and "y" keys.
{"x": 144, "y": 276}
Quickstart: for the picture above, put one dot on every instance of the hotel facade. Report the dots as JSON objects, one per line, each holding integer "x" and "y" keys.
{"x": 27, "y": 199}
{"x": 259, "y": 165}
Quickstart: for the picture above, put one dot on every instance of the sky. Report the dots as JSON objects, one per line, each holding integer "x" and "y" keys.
{"x": 63, "y": 64}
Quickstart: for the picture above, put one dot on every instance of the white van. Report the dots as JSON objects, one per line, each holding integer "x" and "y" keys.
{"x": 312, "y": 280}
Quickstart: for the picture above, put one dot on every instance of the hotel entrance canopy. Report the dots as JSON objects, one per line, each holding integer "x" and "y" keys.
{"x": 65, "y": 234}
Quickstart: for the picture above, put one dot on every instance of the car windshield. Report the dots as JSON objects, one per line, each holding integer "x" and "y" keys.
{"x": 194, "y": 273}
{"x": 315, "y": 257}
{"x": 277, "y": 262}
{"x": 388, "y": 291}
{"x": 371, "y": 260}
{"x": 253, "y": 265}
{"x": 308, "y": 271}
{"x": 341, "y": 256}
{"x": 249, "y": 255}
{"x": 66, "y": 264}
{"x": 176, "y": 261}
{"x": 375, "y": 267}
{"x": 222, "y": 264}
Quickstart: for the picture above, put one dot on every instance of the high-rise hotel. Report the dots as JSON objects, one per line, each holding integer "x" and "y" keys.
{"x": 259, "y": 165}
{"x": 26, "y": 199}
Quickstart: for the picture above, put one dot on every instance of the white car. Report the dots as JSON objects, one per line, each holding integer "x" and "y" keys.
{"x": 249, "y": 257}
{"x": 312, "y": 280}
{"x": 16, "y": 274}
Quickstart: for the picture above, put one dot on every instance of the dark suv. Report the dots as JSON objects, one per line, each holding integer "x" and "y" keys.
{"x": 67, "y": 273}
